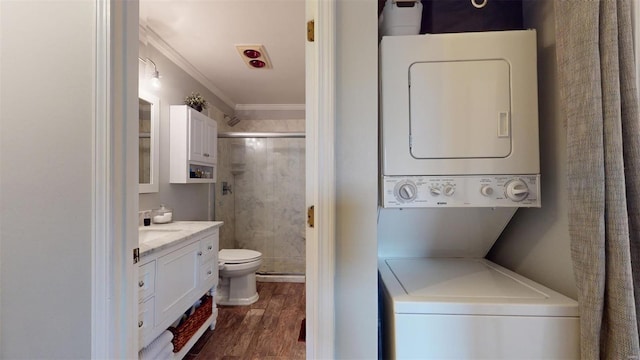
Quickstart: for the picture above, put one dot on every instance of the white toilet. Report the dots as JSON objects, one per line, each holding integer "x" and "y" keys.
{"x": 237, "y": 285}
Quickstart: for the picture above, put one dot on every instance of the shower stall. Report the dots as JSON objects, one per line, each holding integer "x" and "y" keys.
{"x": 260, "y": 197}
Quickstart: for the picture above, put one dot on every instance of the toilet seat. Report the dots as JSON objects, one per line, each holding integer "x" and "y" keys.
{"x": 238, "y": 256}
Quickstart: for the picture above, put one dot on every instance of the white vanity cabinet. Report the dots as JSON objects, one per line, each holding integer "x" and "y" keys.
{"x": 193, "y": 146}
{"x": 172, "y": 278}
{"x": 146, "y": 302}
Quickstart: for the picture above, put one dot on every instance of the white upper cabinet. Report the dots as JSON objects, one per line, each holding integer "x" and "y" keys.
{"x": 194, "y": 142}
{"x": 203, "y": 135}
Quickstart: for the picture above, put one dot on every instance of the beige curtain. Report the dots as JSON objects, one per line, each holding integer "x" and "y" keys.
{"x": 597, "y": 79}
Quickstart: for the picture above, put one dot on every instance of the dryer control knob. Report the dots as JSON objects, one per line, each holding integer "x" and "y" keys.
{"x": 406, "y": 191}
{"x": 517, "y": 190}
{"x": 486, "y": 190}
{"x": 435, "y": 191}
{"x": 449, "y": 190}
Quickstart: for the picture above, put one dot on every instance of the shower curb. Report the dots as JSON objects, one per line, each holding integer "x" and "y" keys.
{"x": 280, "y": 278}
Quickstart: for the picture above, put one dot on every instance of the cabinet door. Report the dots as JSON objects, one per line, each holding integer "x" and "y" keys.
{"x": 211, "y": 141}
{"x": 177, "y": 276}
{"x": 197, "y": 128}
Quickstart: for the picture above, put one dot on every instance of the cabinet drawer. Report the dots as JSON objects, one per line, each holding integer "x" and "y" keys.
{"x": 209, "y": 246}
{"x": 146, "y": 280}
{"x": 209, "y": 274}
{"x": 145, "y": 321}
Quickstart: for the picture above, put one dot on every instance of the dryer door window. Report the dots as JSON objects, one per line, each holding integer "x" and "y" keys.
{"x": 460, "y": 109}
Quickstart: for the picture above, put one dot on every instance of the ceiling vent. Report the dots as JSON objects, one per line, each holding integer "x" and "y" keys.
{"x": 255, "y": 56}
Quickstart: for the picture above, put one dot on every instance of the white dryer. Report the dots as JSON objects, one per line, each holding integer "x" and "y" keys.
{"x": 459, "y": 155}
{"x": 459, "y": 119}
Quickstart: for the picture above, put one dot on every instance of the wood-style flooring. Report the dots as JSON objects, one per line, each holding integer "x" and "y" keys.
{"x": 267, "y": 329}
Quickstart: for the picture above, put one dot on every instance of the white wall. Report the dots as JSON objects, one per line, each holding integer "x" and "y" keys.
{"x": 356, "y": 151}
{"x": 536, "y": 242}
{"x": 46, "y": 107}
{"x": 188, "y": 201}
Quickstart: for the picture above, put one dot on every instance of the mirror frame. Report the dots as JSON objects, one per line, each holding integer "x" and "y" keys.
{"x": 153, "y": 186}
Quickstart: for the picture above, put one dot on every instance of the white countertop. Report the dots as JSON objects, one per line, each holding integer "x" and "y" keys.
{"x": 162, "y": 236}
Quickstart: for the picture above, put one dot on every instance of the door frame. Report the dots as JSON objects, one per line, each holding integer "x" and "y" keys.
{"x": 114, "y": 300}
{"x": 115, "y": 203}
{"x": 320, "y": 179}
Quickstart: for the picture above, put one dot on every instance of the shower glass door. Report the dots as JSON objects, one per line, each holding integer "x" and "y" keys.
{"x": 263, "y": 202}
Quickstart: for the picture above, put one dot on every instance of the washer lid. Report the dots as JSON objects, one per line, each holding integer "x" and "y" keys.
{"x": 238, "y": 256}
{"x": 468, "y": 286}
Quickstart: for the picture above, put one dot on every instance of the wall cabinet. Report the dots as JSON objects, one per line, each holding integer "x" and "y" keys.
{"x": 172, "y": 280}
{"x": 193, "y": 146}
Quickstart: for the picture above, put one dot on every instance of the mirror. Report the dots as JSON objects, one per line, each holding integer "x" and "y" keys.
{"x": 149, "y": 142}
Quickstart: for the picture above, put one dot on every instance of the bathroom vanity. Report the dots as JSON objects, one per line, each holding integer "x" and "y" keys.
{"x": 178, "y": 265}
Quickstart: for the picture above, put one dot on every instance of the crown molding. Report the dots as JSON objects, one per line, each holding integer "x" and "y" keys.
{"x": 142, "y": 31}
{"x": 165, "y": 49}
{"x": 270, "y": 107}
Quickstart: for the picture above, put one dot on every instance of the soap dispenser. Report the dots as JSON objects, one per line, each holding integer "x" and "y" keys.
{"x": 162, "y": 215}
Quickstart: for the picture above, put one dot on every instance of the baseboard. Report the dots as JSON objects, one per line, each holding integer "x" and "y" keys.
{"x": 280, "y": 278}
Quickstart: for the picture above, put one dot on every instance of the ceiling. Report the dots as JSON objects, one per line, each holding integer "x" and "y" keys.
{"x": 205, "y": 32}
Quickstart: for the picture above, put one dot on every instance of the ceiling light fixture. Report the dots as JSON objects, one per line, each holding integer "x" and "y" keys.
{"x": 255, "y": 56}
{"x": 257, "y": 63}
{"x": 155, "y": 74}
{"x": 252, "y": 54}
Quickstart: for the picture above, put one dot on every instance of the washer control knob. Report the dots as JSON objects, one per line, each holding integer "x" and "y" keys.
{"x": 486, "y": 190}
{"x": 517, "y": 190}
{"x": 435, "y": 190}
{"x": 407, "y": 191}
{"x": 449, "y": 190}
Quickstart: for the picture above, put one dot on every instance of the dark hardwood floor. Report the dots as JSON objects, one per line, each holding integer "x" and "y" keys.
{"x": 267, "y": 329}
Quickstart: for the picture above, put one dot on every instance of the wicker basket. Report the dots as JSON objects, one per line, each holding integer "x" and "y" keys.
{"x": 185, "y": 331}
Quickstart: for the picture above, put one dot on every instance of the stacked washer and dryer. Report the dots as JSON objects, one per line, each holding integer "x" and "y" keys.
{"x": 459, "y": 156}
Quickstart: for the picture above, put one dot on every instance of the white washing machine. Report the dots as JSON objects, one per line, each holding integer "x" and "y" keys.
{"x": 459, "y": 156}
{"x": 439, "y": 308}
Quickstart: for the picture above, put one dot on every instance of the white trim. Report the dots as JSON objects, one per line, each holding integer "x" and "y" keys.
{"x": 320, "y": 114}
{"x": 325, "y": 33}
{"x": 635, "y": 22}
{"x": 142, "y": 32}
{"x": 270, "y": 107}
{"x": 100, "y": 249}
{"x": 280, "y": 278}
{"x": 114, "y": 305}
{"x": 165, "y": 49}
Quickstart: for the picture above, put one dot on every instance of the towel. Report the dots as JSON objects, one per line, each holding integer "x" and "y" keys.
{"x": 166, "y": 353}
{"x": 153, "y": 350}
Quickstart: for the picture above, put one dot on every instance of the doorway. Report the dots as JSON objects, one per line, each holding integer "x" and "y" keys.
{"x": 317, "y": 330}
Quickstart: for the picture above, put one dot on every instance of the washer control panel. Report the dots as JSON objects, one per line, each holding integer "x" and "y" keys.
{"x": 461, "y": 191}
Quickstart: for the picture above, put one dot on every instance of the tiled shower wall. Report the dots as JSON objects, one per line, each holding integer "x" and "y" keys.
{"x": 266, "y": 209}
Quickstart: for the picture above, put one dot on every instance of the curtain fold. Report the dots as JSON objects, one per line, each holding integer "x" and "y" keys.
{"x": 597, "y": 80}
